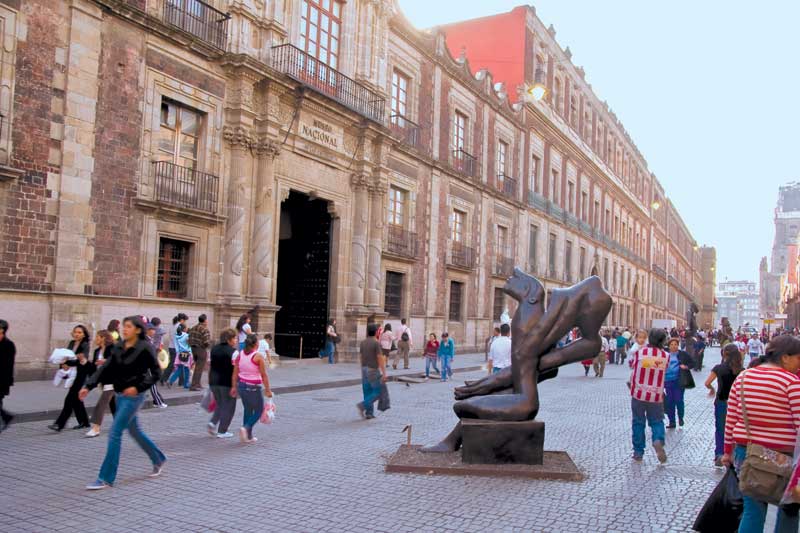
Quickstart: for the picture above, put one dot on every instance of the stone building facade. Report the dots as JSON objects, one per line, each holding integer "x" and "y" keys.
{"x": 301, "y": 160}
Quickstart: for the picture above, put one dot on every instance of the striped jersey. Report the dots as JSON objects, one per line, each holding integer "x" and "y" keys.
{"x": 649, "y": 366}
{"x": 773, "y": 409}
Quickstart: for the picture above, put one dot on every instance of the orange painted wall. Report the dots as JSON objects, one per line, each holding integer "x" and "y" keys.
{"x": 496, "y": 43}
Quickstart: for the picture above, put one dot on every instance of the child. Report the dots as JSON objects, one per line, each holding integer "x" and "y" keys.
{"x": 647, "y": 395}
{"x": 183, "y": 359}
{"x": 431, "y": 349}
{"x": 264, "y": 348}
{"x": 446, "y": 351}
{"x": 587, "y": 364}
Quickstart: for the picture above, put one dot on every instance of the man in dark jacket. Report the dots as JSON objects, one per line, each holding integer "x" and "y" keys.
{"x": 220, "y": 379}
{"x": 200, "y": 341}
{"x": 7, "y": 354}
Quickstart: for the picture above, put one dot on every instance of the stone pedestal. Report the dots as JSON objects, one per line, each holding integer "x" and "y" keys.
{"x": 493, "y": 442}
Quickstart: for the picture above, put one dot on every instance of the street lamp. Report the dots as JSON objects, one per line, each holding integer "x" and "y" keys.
{"x": 656, "y": 205}
{"x": 538, "y": 90}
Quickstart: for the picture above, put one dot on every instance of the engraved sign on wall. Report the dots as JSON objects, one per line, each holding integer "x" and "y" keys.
{"x": 321, "y": 132}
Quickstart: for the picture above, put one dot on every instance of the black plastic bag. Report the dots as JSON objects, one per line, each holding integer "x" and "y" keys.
{"x": 383, "y": 400}
{"x": 723, "y": 509}
{"x": 686, "y": 379}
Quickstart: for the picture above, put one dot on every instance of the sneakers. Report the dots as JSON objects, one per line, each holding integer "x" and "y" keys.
{"x": 156, "y": 470}
{"x": 361, "y": 410}
{"x": 226, "y": 435}
{"x": 671, "y": 426}
{"x": 211, "y": 428}
{"x": 162, "y": 406}
{"x": 658, "y": 446}
{"x": 97, "y": 485}
{"x": 94, "y": 432}
{"x": 54, "y": 427}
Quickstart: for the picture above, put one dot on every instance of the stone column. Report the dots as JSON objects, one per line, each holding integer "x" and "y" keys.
{"x": 240, "y": 140}
{"x": 377, "y": 192}
{"x": 263, "y": 242}
{"x": 358, "y": 254}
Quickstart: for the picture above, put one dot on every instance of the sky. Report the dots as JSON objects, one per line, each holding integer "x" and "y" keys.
{"x": 707, "y": 91}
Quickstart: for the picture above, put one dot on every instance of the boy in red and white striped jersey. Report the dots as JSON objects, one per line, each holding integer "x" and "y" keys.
{"x": 649, "y": 366}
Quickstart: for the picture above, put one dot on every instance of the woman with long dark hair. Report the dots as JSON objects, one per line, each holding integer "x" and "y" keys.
{"x": 131, "y": 369}
{"x": 724, "y": 373}
{"x": 113, "y": 329}
{"x": 330, "y": 341}
{"x": 249, "y": 374}
{"x": 84, "y": 367}
{"x": 243, "y": 329}
{"x": 103, "y": 342}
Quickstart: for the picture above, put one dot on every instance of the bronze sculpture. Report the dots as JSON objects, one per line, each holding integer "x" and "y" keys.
{"x": 512, "y": 394}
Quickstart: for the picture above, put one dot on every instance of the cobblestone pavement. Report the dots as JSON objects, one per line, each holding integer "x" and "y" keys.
{"x": 319, "y": 467}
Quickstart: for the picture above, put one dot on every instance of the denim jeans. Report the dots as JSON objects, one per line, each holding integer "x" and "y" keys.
{"x": 253, "y": 402}
{"x": 755, "y": 512}
{"x": 126, "y": 418}
{"x": 651, "y": 413}
{"x": 446, "y": 370}
{"x": 720, "y": 412}
{"x": 371, "y": 387}
{"x": 429, "y": 362}
{"x": 673, "y": 399}
{"x": 328, "y": 351}
{"x": 226, "y": 407}
{"x": 180, "y": 369}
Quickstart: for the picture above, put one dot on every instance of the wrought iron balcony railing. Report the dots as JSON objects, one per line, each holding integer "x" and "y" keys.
{"x": 508, "y": 185}
{"x": 537, "y": 201}
{"x": 199, "y": 19}
{"x": 406, "y": 130}
{"x": 461, "y": 256}
{"x": 465, "y": 162}
{"x": 503, "y": 266}
{"x": 572, "y": 220}
{"x": 401, "y": 242}
{"x": 185, "y": 187}
{"x": 660, "y": 271}
{"x": 313, "y": 73}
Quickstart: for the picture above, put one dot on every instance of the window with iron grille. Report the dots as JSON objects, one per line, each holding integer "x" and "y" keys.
{"x": 502, "y": 153}
{"x": 535, "y": 164}
{"x": 399, "y": 99}
{"x": 320, "y": 25}
{"x": 397, "y": 206}
{"x": 533, "y": 242}
{"x": 582, "y": 263}
{"x": 552, "y": 255}
{"x": 458, "y": 225}
{"x": 459, "y": 131}
{"x": 178, "y": 134}
{"x": 584, "y": 206}
{"x": 554, "y": 185}
{"x": 456, "y": 294}
{"x": 173, "y": 268}
{"x": 393, "y": 294}
{"x": 502, "y": 241}
{"x": 499, "y": 303}
{"x": 605, "y": 273}
{"x": 568, "y": 261}
{"x": 571, "y": 197}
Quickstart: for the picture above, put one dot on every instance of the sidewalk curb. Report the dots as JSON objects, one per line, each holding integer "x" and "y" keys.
{"x": 49, "y": 414}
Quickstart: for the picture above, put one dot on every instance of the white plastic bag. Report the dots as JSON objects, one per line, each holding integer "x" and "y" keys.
{"x": 59, "y": 355}
{"x": 268, "y": 414}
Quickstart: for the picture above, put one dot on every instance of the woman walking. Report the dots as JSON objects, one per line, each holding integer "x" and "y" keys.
{"x": 387, "y": 339}
{"x": 84, "y": 367}
{"x": 220, "y": 379}
{"x": 243, "y": 329}
{"x": 770, "y": 395}
{"x": 431, "y": 350}
{"x": 113, "y": 329}
{"x": 447, "y": 350}
{"x": 249, "y": 374}
{"x": 131, "y": 369}
{"x": 678, "y": 360}
{"x": 724, "y": 373}
{"x": 331, "y": 338}
{"x": 103, "y": 342}
{"x": 183, "y": 359}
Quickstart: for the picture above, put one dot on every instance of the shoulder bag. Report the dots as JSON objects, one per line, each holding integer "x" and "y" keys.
{"x": 764, "y": 473}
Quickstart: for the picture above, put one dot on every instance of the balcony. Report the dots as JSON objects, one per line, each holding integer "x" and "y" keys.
{"x": 402, "y": 128}
{"x": 313, "y": 73}
{"x": 464, "y": 162}
{"x": 537, "y": 201}
{"x": 572, "y": 220}
{"x": 507, "y": 185}
{"x": 659, "y": 271}
{"x": 503, "y": 266}
{"x": 461, "y": 256}
{"x": 585, "y": 228}
{"x": 556, "y": 210}
{"x": 199, "y": 19}
{"x": 185, "y": 187}
{"x": 400, "y": 242}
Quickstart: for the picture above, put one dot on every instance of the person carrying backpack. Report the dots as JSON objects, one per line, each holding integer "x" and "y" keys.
{"x": 403, "y": 345}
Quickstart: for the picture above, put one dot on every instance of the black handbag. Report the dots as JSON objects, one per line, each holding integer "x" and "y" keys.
{"x": 686, "y": 380}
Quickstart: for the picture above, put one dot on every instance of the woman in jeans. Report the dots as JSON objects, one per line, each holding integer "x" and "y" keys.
{"x": 724, "y": 373}
{"x": 431, "y": 355}
{"x": 249, "y": 373}
{"x": 771, "y": 394}
{"x": 673, "y": 392}
{"x": 220, "y": 378}
{"x": 103, "y": 342}
{"x": 132, "y": 368}
{"x": 329, "y": 350}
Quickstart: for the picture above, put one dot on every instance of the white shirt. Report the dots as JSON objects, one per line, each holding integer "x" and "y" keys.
{"x": 742, "y": 346}
{"x": 500, "y": 352}
{"x": 755, "y": 347}
{"x": 404, "y": 329}
{"x": 605, "y": 346}
{"x": 246, "y": 330}
{"x": 263, "y": 347}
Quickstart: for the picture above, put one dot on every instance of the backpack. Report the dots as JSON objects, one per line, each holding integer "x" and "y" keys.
{"x": 404, "y": 337}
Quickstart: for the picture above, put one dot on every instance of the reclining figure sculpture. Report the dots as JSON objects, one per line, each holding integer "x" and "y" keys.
{"x": 512, "y": 394}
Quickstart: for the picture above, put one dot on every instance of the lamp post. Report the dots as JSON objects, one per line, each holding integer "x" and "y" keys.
{"x": 538, "y": 90}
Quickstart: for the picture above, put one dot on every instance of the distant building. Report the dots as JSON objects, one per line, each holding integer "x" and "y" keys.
{"x": 708, "y": 272}
{"x": 738, "y": 300}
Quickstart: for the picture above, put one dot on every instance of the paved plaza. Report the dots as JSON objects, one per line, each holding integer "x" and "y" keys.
{"x": 319, "y": 467}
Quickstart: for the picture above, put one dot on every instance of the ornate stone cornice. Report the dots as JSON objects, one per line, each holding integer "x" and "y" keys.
{"x": 378, "y": 188}
{"x": 359, "y": 180}
{"x": 238, "y": 136}
{"x": 267, "y": 148}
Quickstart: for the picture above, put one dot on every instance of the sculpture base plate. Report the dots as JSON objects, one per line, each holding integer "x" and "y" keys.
{"x": 410, "y": 460}
{"x": 494, "y": 442}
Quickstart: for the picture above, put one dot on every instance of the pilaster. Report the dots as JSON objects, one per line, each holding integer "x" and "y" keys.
{"x": 377, "y": 193}
{"x": 358, "y": 244}
{"x": 263, "y": 238}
